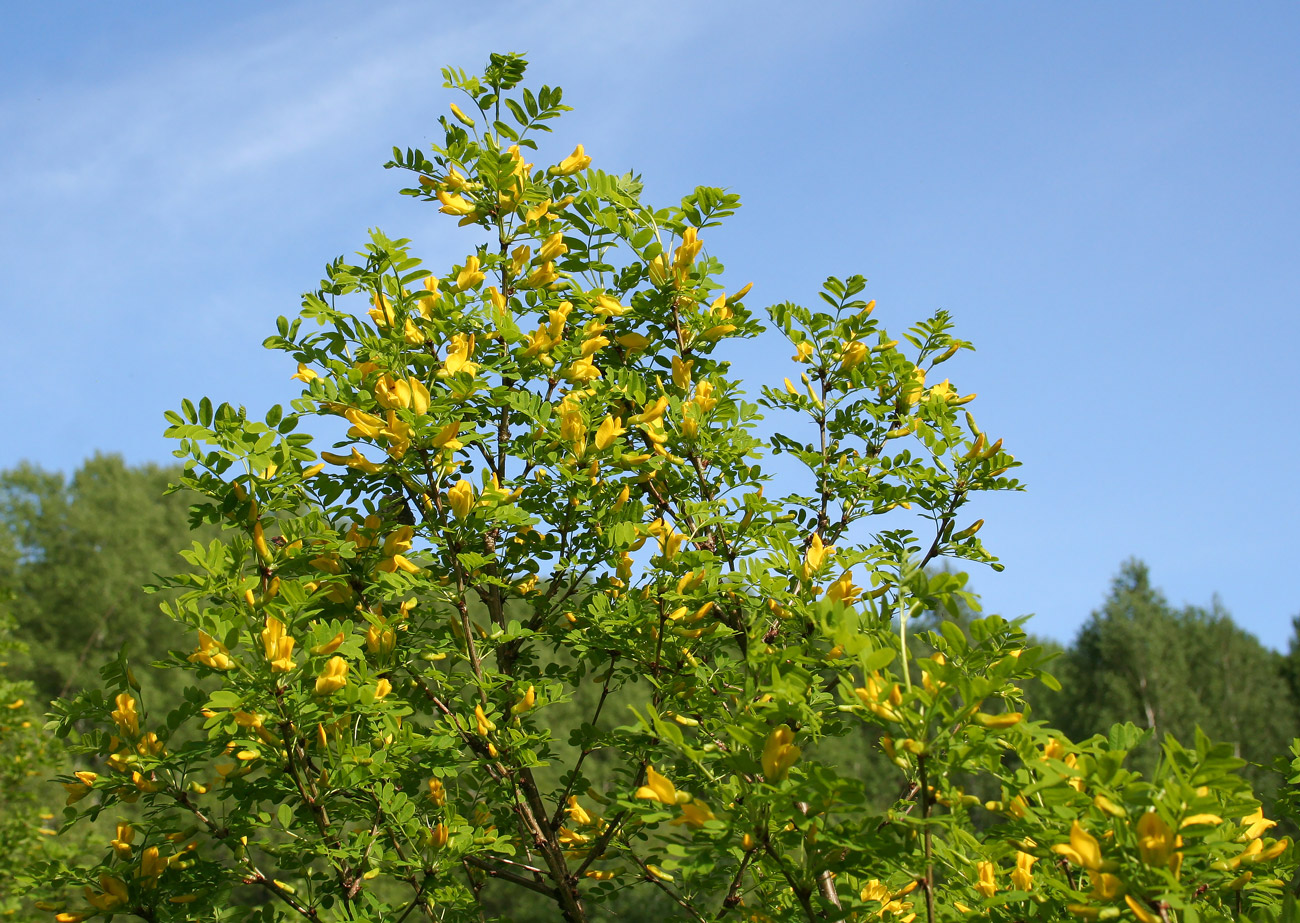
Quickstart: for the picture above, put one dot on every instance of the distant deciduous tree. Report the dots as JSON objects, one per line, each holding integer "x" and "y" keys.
{"x": 74, "y": 553}
{"x": 1172, "y": 670}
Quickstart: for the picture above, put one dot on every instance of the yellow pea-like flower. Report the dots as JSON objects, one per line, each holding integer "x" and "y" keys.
{"x": 277, "y": 645}
{"x": 682, "y": 372}
{"x": 779, "y": 754}
{"x": 483, "y": 724}
{"x": 427, "y": 301}
{"x": 1022, "y": 876}
{"x": 125, "y": 717}
{"x": 459, "y": 351}
{"x": 610, "y": 429}
{"x": 554, "y": 246}
{"x": 411, "y": 334}
{"x": 814, "y": 557}
{"x": 542, "y": 276}
{"x": 577, "y": 161}
{"x": 470, "y": 276}
{"x": 657, "y": 788}
{"x": 453, "y": 204}
{"x": 695, "y": 814}
{"x": 460, "y": 496}
{"x": 333, "y": 677}
{"x": 437, "y": 792}
{"x": 461, "y": 116}
{"x": 1155, "y": 839}
{"x": 121, "y": 843}
{"x": 525, "y": 703}
{"x": 1083, "y": 849}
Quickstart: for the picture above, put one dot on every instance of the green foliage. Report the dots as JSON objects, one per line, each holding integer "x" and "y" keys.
{"x": 1173, "y": 671}
{"x": 551, "y": 484}
{"x": 74, "y": 554}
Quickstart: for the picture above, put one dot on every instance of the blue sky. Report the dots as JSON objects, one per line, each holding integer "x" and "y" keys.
{"x": 1105, "y": 195}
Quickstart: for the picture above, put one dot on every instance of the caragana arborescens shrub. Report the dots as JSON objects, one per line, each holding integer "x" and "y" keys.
{"x": 551, "y": 491}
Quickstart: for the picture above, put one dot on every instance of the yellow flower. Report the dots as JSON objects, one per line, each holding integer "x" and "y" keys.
{"x": 1139, "y": 911}
{"x": 125, "y": 717}
{"x": 329, "y": 647}
{"x": 304, "y": 374}
{"x": 610, "y": 429}
{"x": 355, "y": 460}
{"x": 446, "y": 437}
{"x": 657, "y": 788}
{"x": 1022, "y": 878}
{"x": 431, "y": 297}
{"x": 943, "y": 391}
{"x": 573, "y": 432}
{"x": 525, "y": 703}
{"x": 1155, "y": 839}
{"x": 987, "y": 883}
{"x": 843, "y": 590}
{"x": 1083, "y": 849}
{"x": 537, "y": 212}
{"x": 453, "y": 204}
{"x": 552, "y": 247}
{"x": 484, "y": 724}
{"x": 383, "y": 688}
{"x": 876, "y": 890}
{"x": 81, "y": 788}
{"x": 578, "y": 814}
{"x": 541, "y": 277}
{"x": 152, "y": 864}
{"x": 704, "y": 398}
{"x": 814, "y": 557}
{"x": 382, "y": 312}
{"x": 874, "y": 694}
{"x": 461, "y": 117}
{"x": 121, "y": 843}
{"x": 460, "y": 496}
{"x": 687, "y": 250}
{"x": 633, "y": 342}
{"x": 470, "y": 276}
{"x": 380, "y": 639}
{"x": 779, "y": 754}
{"x": 437, "y": 792}
{"x": 1003, "y": 720}
{"x": 411, "y": 334}
{"x": 694, "y": 814}
{"x": 578, "y": 160}
{"x": 581, "y": 371}
{"x": 211, "y": 653}
{"x": 912, "y": 388}
{"x": 853, "y": 354}
{"x": 277, "y": 645}
{"x": 333, "y": 678}
{"x": 393, "y": 394}
{"x": 682, "y": 372}
{"x": 1256, "y": 824}
{"x": 113, "y": 895}
{"x": 458, "y": 355}
{"x": 609, "y": 306}
{"x": 1105, "y": 886}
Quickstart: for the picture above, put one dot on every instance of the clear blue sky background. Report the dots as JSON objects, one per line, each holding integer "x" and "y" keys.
{"x": 1106, "y": 195}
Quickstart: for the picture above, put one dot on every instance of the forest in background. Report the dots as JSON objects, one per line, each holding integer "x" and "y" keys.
{"x": 76, "y": 551}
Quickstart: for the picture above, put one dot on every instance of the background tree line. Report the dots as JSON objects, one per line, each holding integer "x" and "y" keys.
{"x": 75, "y": 552}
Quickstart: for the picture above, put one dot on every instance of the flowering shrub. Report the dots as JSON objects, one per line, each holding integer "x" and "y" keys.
{"x": 551, "y": 494}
